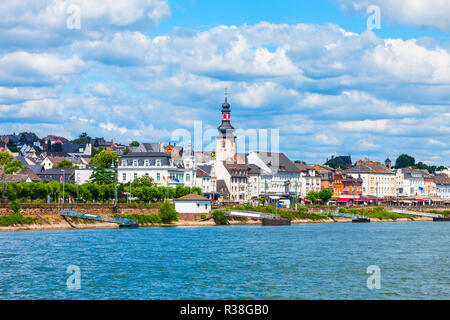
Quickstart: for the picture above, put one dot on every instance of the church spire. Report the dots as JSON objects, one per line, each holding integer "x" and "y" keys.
{"x": 226, "y": 126}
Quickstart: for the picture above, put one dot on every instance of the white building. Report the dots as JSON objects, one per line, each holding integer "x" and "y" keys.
{"x": 443, "y": 187}
{"x": 410, "y": 183}
{"x": 235, "y": 176}
{"x": 164, "y": 170}
{"x": 378, "y": 180}
{"x": 279, "y": 176}
{"x": 192, "y": 203}
{"x": 204, "y": 180}
{"x": 310, "y": 179}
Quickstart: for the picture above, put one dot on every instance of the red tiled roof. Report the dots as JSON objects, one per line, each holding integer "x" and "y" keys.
{"x": 192, "y": 197}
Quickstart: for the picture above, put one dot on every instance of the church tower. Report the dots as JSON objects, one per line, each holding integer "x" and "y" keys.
{"x": 226, "y": 140}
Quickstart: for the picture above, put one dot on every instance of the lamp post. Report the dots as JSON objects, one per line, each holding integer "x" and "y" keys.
{"x": 116, "y": 205}
{"x": 377, "y": 192}
{"x": 3, "y": 184}
{"x": 63, "y": 178}
{"x": 265, "y": 191}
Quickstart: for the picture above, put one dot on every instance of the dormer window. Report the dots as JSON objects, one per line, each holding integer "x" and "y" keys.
{"x": 146, "y": 163}
{"x": 158, "y": 163}
{"x": 124, "y": 163}
{"x": 135, "y": 163}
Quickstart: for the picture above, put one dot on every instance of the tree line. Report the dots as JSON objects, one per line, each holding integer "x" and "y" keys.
{"x": 89, "y": 192}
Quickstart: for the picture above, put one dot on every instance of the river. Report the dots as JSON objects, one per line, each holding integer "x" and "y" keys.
{"x": 309, "y": 261}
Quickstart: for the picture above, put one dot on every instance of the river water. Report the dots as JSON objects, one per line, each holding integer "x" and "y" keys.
{"x": 309, "y": 261}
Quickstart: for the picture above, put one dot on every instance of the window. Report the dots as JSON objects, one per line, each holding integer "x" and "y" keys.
{"x": 146, "y": 174}
{"x": 135, "y": 163}
{"x": 158, "y": 177}
{"x": 188, "y": 178}
{"x": 135, "y": 176}
{"x": 158, "y": 163}
{"x": 146, "y": 163}
{"x": 124, "y": 163}
{"x": 124, "y": 177}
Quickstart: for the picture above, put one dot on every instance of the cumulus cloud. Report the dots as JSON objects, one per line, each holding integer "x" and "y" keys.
{"x": 24, "y": 68}
{"x": 325, "y": 88}
{"x": 31, "y": 23}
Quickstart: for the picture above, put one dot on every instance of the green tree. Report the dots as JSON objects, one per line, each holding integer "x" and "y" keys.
{"x": 312, "y": 196}
{"x": 13, "y": 167}
{"x": 167, "y": 212}
{"x": 404, "y": 161}
{"x": 11, "y": 192}
{"x": 57, "y": 147}
{"x": 336, "y": 166}
{"x": 325, "y": 195}
{"x": 196, "y": 190}
{"x": 102, "y": 176}
{"x": 135, "y": 144}
{"x": 5, "y": 158}
{"x": 82, "y": 139}
{"x": 143, "y": 181}
{"x": 104, "y": 158}
{"x": 96, "y": 151}
{"x": 64, "y": 164}
{"x": 12, "y": 146}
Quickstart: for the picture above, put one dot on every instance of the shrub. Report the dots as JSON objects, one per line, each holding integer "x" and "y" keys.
{"x": 293, "y": 215}
{"x": 203, "y": 216}
{"x": 15, "y": 207}
{"x": 167, "y": 212}
{"x": 14, "y": 219}
{"x": 220, "y": 217}
{"x": 302, "y": 209}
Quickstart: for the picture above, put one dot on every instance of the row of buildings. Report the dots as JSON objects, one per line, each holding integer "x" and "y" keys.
{"x": 240, "y": 177}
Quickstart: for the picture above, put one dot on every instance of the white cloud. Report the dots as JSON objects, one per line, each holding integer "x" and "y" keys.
{"x": 100, "y": 89}
{"x": 326, "y": 139}
{"x": 43, "y": 23}
{"x": 406, "y": 61}
{"x": 325, "y": 88}
{"x": 37, "y": 68}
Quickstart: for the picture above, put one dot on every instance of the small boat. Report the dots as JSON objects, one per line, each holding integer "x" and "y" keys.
{"x": 441, "y": 219}
{"x": 129, "y": 226}
{"x": 276, "y": 222}
{"x": 360, "y": 220}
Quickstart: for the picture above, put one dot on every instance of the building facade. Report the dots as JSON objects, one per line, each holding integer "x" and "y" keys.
{"x": 377, "y": 180}
{"x": 164, "y": 170}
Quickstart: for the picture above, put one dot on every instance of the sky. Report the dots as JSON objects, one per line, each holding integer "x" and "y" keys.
{"x": 316, "y": 72}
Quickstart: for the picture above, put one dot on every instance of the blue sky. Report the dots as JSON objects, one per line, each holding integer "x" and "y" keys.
{"x": 146, "y": 69}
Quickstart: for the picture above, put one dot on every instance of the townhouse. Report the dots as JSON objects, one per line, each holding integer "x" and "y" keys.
{"x": 310, "y": 179}
{"x": 377, "y": 180}
{"x": 442, "y": 182}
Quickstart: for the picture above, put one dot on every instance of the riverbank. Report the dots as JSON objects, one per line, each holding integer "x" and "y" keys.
{"x": 64, "y": 225}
